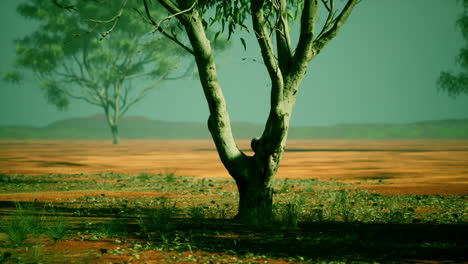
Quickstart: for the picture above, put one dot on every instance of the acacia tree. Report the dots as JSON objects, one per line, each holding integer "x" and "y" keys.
{"x": 286, "y": 65}
{"x": 76, "y": 57}
{"x": 456, "y": 84}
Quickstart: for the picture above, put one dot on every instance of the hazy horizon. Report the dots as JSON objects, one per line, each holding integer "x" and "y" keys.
{"x": 382, "y": 68}
{"x": 126, "y": 117}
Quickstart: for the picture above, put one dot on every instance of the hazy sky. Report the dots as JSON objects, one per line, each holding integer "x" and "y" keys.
{"x": 382, "y": 68}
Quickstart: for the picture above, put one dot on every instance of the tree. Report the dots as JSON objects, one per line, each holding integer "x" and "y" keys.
{"x": 455, "y": 84}
{"x": 286, "y": 66}
{"x": 75, "y": 57}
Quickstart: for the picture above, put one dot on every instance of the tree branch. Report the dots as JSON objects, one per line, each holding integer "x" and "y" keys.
{"x": 114, "y": 19}
{"x": 266, "y": 47}
{"x": 174, "y": 10}
{"x": 304, "y": 52}
{"x": 81, "y": 97}
{"x": 283, "y": 39}
{"x": 160, "y": 29}
{"x": 330, "y": 17}
{"x": 86, "y": 66}
{"x": 219, "y": 122}
{"x": 170, "y": 6}
{"x": 66, "y": 7}
{"x": 141, "y": 95}
{"x": 339, "y": 22}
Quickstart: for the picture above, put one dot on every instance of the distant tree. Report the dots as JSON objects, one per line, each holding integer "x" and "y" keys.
{"x": 286, "y": 66}
{"x": 76, "y": 57}
{"x": 457, "y": 83}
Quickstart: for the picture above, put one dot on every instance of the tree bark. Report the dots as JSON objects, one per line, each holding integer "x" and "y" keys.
{"x": 256, "y": 191}
{"x": 112, "y": 121}
{"x": 255, "y": 201}
{"x": 115, "y": 134}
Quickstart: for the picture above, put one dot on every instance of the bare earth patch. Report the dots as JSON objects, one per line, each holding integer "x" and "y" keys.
{"x": 399, "y": 166}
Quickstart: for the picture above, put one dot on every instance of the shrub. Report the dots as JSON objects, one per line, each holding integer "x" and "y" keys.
{"x": 56, "y": 226}
{"x": 143, "y": 177}
{"x": 170, "y": 177}
{"x": 25, "y": 222}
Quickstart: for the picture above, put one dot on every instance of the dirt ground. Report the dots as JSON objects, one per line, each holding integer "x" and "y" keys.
{"x": 387, "y": 167}
{"x": 402, "y": 166}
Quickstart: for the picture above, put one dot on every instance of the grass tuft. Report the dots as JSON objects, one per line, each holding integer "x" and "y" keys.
{"x": 197, "y": 213}
{"x": 25, "y": 223}
{"x": 159, "y": 221}
{"x": 112, "y": 228}
{"x": 55, "y": 225}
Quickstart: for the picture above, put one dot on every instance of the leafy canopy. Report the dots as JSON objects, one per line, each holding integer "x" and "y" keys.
{"x": 93, "y": 53}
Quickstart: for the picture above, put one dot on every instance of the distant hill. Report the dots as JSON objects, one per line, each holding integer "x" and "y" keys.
{"x": 95, "y": 127}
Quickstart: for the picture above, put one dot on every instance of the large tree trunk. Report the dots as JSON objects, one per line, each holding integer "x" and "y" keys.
{"x": 255, "y": 184}
{"x": 115, "y": 134}
{"x": 255, "y": 199}
{"x": 112, "y": 121}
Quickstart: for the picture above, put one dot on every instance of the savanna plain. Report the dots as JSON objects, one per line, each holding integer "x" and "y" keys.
{"x": 171, "y": 201}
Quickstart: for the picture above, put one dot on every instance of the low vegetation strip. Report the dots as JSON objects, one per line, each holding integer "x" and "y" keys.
{"x": 190, "y": 219}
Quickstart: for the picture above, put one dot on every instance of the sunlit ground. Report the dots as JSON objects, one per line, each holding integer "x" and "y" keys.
{"x": 150, "y": 201}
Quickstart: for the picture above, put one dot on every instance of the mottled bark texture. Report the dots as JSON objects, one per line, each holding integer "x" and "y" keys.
{"x": 286, "y": 69}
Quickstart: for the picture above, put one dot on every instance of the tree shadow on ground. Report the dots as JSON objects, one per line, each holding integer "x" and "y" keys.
{"x": 315, "y": 241}
{"x": 335, "y": 241}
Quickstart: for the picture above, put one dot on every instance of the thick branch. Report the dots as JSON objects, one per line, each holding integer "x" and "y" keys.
{"x": 170, "y": 6}
{"x": 218, "y": 123}
{"x": 340, "y": 20}
{"x": 266, "y": 47}
{"x": 304, "y": 52}
{"x": 283, "y": 39}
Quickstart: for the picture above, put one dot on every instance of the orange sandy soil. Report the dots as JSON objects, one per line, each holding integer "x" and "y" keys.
{"x": 403, "y": 166}
{"x": 116, "y": 251}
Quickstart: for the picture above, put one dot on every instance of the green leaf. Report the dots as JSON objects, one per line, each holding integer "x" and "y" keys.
{"x": 216, "y": 36}
{"x": 243, "y": 43}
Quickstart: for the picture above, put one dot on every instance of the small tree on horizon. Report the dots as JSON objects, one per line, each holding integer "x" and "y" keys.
{"x": 74, "y": 57}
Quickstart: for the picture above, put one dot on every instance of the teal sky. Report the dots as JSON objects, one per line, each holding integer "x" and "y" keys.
{"x": 382, "y": 68}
